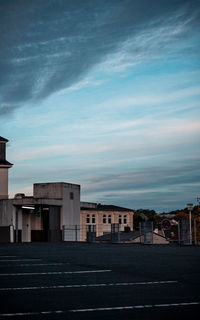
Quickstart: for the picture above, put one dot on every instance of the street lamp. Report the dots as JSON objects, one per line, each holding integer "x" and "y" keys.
{"x": 190, "y": 207}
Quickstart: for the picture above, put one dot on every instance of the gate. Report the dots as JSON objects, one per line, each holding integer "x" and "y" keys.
{"x": 146, "y": 232}
{"x": 91, "y": 233}
{"x": 115, "y": 232}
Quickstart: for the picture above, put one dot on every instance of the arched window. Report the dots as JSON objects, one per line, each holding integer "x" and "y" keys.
{"x": 109, "y": 219}
{"x": 88, "y": 218}
{"x": 125, "y": 219}
{"x": 120, "y": 219}
{"x": 104, "y": 218}
{"x": 93, "y": 218}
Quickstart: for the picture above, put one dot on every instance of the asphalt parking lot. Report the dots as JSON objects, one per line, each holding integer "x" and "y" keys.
{"x": 98, "y": 281}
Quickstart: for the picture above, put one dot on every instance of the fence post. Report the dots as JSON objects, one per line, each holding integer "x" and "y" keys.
{"x": 63, "y": 233}
{"x": 76, "y": 233}
{"x": 195, "y": 232}
{"x": 179, "y": 234}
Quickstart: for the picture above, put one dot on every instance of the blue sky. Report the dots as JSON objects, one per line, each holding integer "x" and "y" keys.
{"x": 104, "y": 94}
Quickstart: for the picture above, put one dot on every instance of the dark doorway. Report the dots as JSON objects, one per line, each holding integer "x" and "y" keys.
{"x": 54, "y": 233}
{"x": 45, "y": 225}
{"x": 50, "y": 225}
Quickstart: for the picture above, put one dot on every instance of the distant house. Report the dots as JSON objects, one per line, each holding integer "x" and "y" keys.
{"x": 155, "y": 237}
{"x": 100, "y": 218}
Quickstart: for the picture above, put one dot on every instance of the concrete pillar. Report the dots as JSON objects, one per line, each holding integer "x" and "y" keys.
{"x": 26, "y": 227}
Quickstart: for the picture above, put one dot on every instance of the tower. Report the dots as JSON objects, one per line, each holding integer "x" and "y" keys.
{"x": 4, "y": 166}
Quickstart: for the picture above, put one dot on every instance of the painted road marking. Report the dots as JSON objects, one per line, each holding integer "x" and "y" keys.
{"x": 8, "y": 256}
{"x": 137, "y": 307}
{"x": 90, "y": 285}
{"x": 100, "y": 309}
{"x": 47, "y": 273}
{"x": 36, "y": 264}
{"x": 16, "y": 260}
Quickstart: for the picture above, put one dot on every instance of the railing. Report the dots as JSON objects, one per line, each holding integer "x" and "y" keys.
{"x": 178, "y": 233}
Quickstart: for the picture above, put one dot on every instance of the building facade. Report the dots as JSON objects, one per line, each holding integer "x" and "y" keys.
{"x": 54, "y": 212}
{"x": 100, "y": 218}
{"x": 4, "y": 166}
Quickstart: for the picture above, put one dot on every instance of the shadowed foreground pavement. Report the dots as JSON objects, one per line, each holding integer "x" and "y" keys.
{"x": 98, "y": 281}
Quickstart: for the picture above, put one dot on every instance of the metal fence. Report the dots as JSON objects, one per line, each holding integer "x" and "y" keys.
{"x": 92, "y": 233}
{"x": 71, "y": 233}
{"x": 146, "y": 232}
{"x": 149, "y": 233}
{"x": 178, "y": 233}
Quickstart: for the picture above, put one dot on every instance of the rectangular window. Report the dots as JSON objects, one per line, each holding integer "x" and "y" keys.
{"x": 104, "y": 218}
{"x": 88, "y": 218}
{"x": 93, "y": 218}
{"x": 125, "y": 220}
{"x": 71, "y": 195}
{"x": 109, "y": 219}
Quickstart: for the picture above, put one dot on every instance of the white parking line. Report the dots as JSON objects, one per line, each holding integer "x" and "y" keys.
{"x": 47, "y": 273}
{"x": 181, "y": 304}
{"x": 16, "y": 260}
{"x": 137, "y": 307}
{"x": 90, "y": 285}
{"x": 8, "y": 256}
{"x": 35, "y": 264}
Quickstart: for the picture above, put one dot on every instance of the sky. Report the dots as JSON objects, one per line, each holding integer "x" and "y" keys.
{"x": 105, "y": 94}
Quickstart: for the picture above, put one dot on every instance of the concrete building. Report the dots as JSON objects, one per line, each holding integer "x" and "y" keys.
{"x": 4, "y": 166}
{"x": 54, "y": 212}
{"x": 42, "y": 216}
{"x": 100, "y": 218}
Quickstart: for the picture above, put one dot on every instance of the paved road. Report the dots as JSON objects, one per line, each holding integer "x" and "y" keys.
{"x": 95, "y": 281}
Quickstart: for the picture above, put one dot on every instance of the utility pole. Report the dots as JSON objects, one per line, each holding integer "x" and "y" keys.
{"x": 190, "y": 207}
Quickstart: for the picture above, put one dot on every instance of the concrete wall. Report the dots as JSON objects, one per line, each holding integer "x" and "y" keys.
{"x": 7, "y": 213}
{"x": 36, "y": 222}
{"x": 71, "y": 204}
{"x": 52, "y": 190}
{"x": 3, "y": 183}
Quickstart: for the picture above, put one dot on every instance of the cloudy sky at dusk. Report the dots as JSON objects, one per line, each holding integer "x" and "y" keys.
{"x": 105, "y": 94}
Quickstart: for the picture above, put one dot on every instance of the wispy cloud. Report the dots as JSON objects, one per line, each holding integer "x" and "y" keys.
{"x": 141, "y": 132}
{"x": 157, "y": 38}
{"x": 163, "y": 187}
{"x": 149, "y": 99}
{"x": 46, "y": 47}
{"x": 86, "y": 82}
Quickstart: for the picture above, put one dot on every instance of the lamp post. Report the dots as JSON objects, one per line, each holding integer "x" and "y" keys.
{"x": 190, "y": 207}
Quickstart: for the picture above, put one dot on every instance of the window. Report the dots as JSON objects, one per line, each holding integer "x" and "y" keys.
{"x": 104, "y": 218}
{"x": 120, "y": 219}
{"x": 88, "y": 218}
{"x": 93, "y": 218}
{"x": 109, "y": 219}
{"x": 125, "y": 220}
{"x": 71, "y": 195}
